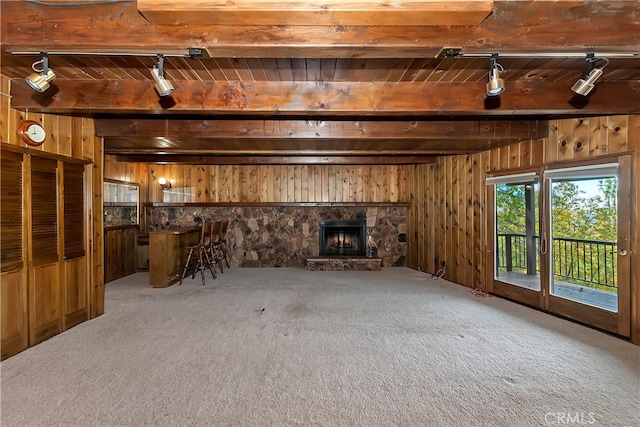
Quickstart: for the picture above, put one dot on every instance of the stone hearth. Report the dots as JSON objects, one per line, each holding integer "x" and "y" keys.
{"x": 343, "y": 264}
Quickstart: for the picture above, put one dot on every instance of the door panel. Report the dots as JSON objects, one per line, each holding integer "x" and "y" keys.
{"x": 588, "y": 217}
{"x": 516, "y": 238}
{"x": 45, "y": 318}
{"x": 13, "y": 288}
{"x": 581, "y": 269}
{"x": 75, "y": 292}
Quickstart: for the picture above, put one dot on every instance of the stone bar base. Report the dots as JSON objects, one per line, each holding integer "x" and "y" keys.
{"x": 343, "y": 264}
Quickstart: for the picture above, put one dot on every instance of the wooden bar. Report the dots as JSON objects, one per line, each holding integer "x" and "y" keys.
{"x": 119, "y": 251}
{"x": 167, "y": 254}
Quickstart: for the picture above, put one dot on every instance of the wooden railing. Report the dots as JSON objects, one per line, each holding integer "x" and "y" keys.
{"x": 586, "y": 262}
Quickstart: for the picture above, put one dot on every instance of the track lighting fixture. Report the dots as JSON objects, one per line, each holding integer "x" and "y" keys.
{"x": 163, "y": 86}
{"x": 585, "y": 85}
{"x": 40, "y": 80}
{"x": 495, "y": 86}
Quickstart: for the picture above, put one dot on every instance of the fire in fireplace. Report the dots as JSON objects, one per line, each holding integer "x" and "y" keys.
{"x": 343, "y": 237}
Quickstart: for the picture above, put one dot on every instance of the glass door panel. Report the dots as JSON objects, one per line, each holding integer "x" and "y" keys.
{"x": 584, "y": 235}
{"x": 516, "y": 233}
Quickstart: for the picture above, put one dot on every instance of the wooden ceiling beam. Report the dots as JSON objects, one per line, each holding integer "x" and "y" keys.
{"x": 591, "y": 25}
{"x": 329, "y": 12}
{"x": 329, "y": 129}
{"x": 312, "y": 99}
{"x": 277, "y": 160}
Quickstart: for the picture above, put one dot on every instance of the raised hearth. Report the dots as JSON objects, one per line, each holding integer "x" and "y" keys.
{"x": 343, "y": 264}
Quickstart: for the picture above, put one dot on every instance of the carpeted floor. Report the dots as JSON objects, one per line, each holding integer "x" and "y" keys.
{"x": 280, "y": 347}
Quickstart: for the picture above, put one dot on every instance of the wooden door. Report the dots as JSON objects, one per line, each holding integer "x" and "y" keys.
{"x": 13, "y": 274}
{"x": 514, "y": 222}
{"x": 45, "y": 314}
{"x": 589, "y": 275}
{"x": 567, "y": 276}
{"x": 75, "y": 282}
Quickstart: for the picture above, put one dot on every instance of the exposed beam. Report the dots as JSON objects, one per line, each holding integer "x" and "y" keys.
{"x": 328, "y": 12}
{"x": 318, "y": 129}
{"x": 283, "y": 99}
{"x": 277, "y": 160}
{"x": 584, "y": 25}
{"x": 158, "y": 153}
{"x": 282, "y": 147}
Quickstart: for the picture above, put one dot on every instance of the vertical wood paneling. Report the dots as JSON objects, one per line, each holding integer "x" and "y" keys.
{"x": 469, "y": 230}
{"x": 451, "y": 215}
{"x": 633, "y": 130}
{"x": 565, "y": 136}
{"x": 64, "y": 133}
{"x": 97, "y": 231}
{"x": 551, "y": 150}
{"x": 581, "y": 140}
{"x": 618, "y": 134}
{"x": 304, "y": 184}
{"x": 286, "y": 183}
{"x": 598, "y": 132}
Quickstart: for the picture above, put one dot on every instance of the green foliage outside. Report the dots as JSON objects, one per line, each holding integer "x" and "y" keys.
{"x": 589, "y": 219}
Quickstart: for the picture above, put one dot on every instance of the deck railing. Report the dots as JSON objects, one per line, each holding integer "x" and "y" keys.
{"x": 586, "y": 262}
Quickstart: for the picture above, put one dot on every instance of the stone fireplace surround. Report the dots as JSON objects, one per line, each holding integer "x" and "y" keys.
{"x": 285, "y": 236}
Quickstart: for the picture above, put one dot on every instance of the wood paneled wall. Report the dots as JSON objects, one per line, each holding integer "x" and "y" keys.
{"x": 233, "y": 183}
{"x": 69, "y": 139}
{"x": 66, "y": 136}
{"x": 447, "y": 220}
{"x": 448, "y": 197}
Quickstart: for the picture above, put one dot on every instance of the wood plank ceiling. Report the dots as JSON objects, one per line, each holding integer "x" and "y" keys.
{"x": 313, "y": 86}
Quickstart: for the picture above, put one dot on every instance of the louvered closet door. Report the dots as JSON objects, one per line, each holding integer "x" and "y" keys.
{"x": 13, "y": 274}
{"x": 45, "y": 313}
{"x": 75, "y": 282}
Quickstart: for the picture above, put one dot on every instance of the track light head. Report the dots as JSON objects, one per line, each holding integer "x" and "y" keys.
{"x": 585, "y": 85}
{"x": 163, "y": 86}
{"x": 41, "y": 79}
{"x": 495, "y": 86}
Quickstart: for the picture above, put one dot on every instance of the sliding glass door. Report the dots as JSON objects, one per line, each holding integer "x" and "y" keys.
{"x": 562, "y": 246}
{"x": 588, "y": 223}
{"x": 517, "y": 268}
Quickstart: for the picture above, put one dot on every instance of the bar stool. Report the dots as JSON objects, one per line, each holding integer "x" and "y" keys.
{"x": 198, "y": 258}
{"x": 223, "y": 241}
{"x": 215, "y": 249}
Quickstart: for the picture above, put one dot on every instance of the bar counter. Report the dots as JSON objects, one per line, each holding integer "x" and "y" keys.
{"x": 168, "y": 253}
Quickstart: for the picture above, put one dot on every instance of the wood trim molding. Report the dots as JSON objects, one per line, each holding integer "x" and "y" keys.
{"x": 278, "y": 204}
{"x": 44, "y": 154}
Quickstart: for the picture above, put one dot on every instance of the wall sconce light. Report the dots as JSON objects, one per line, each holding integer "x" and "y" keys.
{"x": 585, "y": 85}
{"x": 40, "y": 80}
{"x": 495, "y": 86}
{"x": 163, "y": 86}
{"x": 164, "y": 183}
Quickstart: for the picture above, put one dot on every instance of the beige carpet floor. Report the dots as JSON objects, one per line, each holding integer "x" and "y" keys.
{"x": 281, "y": 347}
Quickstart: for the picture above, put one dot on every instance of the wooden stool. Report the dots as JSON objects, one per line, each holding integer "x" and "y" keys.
{"x": 198, "y": 258}
{"x": 223, "y": 241}
{"x": 215, "y": 249}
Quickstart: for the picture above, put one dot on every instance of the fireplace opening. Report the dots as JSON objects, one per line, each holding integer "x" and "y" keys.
{"x": 342, "y": 237}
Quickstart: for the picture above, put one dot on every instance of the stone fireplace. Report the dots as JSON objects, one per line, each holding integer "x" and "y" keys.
{"x": 342, "y": 237}
{"x": 287, "y": 236}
